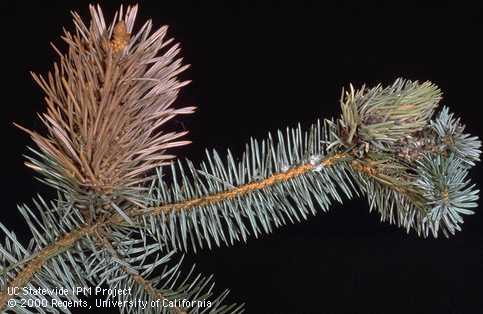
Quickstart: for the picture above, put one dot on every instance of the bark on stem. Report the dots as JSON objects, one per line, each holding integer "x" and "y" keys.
{"x": 68, "y": 240}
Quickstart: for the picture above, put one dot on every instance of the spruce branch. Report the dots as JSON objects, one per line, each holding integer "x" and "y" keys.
{"x": 106, "y": 102}
{"x": 125, "y": 267}
{"x": 126, "y": 207}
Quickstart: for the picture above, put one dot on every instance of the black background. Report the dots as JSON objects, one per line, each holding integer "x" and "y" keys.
{"x": 260, "y": 67}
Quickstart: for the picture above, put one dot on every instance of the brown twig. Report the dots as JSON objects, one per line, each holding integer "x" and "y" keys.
{"x": 68, "y": 240}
